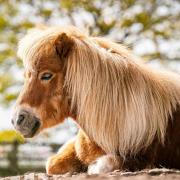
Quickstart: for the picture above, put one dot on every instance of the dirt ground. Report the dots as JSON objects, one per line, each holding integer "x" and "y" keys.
{"x": 153, "y": 174}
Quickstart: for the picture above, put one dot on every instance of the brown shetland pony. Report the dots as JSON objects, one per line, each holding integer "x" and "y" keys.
{"x": 128, "y": 114}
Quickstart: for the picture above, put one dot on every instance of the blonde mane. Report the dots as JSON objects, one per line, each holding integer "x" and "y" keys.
{"x": 120, "y": 103}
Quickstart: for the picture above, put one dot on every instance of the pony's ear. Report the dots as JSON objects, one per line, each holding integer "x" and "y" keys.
{"x": 63, "y": 45}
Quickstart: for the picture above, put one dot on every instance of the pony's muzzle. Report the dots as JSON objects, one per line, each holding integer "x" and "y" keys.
{"x": 26, "y": 123}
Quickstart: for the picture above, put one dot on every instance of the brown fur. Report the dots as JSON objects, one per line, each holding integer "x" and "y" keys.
{"x": 64, "y": 161}
{"x": 123, "y": 107}
{"x": 87, "y": 150}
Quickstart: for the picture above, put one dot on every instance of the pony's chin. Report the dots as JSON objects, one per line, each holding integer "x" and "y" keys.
{"x": 31, "y": 135}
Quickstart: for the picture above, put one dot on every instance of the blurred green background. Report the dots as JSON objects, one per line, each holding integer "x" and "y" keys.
{"x": 151, "y": 28}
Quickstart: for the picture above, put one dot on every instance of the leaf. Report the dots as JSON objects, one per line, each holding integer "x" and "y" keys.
{"x": 10, "y": 136}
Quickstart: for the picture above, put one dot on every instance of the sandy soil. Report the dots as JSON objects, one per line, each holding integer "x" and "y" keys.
{"x": 153, "y": 174}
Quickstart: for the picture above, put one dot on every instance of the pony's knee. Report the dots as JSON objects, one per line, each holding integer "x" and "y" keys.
{"x": 104, "y": 164}
{"x": 51, "y": 167}
{"x": 55, "y": 166}
{"x": 61, "y": 165}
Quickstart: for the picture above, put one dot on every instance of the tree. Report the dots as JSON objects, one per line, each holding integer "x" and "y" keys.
{"x": 132, "y": 22}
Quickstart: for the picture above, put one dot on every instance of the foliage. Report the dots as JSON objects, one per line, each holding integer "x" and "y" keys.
{"x": 10, "y": 136}
{"x": 127, "y": 21}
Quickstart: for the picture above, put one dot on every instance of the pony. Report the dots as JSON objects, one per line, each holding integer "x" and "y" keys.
{"x": 128, "y": 113}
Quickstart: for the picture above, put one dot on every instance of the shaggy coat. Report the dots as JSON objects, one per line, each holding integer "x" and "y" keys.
{"x": 123, "y": 107}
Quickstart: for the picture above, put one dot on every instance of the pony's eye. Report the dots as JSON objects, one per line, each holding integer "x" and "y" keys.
{"x": 46, "y": 76}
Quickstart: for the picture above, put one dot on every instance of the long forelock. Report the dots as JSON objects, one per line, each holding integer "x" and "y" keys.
{"x": 32, "y": 47}
{"x": 40, "y": 42}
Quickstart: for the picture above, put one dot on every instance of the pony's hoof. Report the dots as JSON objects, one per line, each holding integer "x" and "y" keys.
{"x": 104, "y": 164}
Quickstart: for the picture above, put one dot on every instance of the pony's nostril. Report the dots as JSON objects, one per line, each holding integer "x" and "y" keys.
{"x": 20, "y": 119}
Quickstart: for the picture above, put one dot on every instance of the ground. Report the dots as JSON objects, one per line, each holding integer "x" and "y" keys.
{"x": 153, "y": 174}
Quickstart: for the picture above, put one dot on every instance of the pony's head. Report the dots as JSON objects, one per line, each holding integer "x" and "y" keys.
{"x": 43, "y": 101}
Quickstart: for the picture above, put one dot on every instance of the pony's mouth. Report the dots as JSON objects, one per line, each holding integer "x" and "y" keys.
{"x": 34, "y": 130}
{"x": 30, "y": 132}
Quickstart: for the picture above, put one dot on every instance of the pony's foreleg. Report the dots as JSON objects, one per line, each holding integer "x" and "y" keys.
{"x": 78, "y": 154}
{"x": 87, "y": 150}
{"x": 105, "y": 164}
{"x": 94, "y": 157}
{"x": 64, "y": 161}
